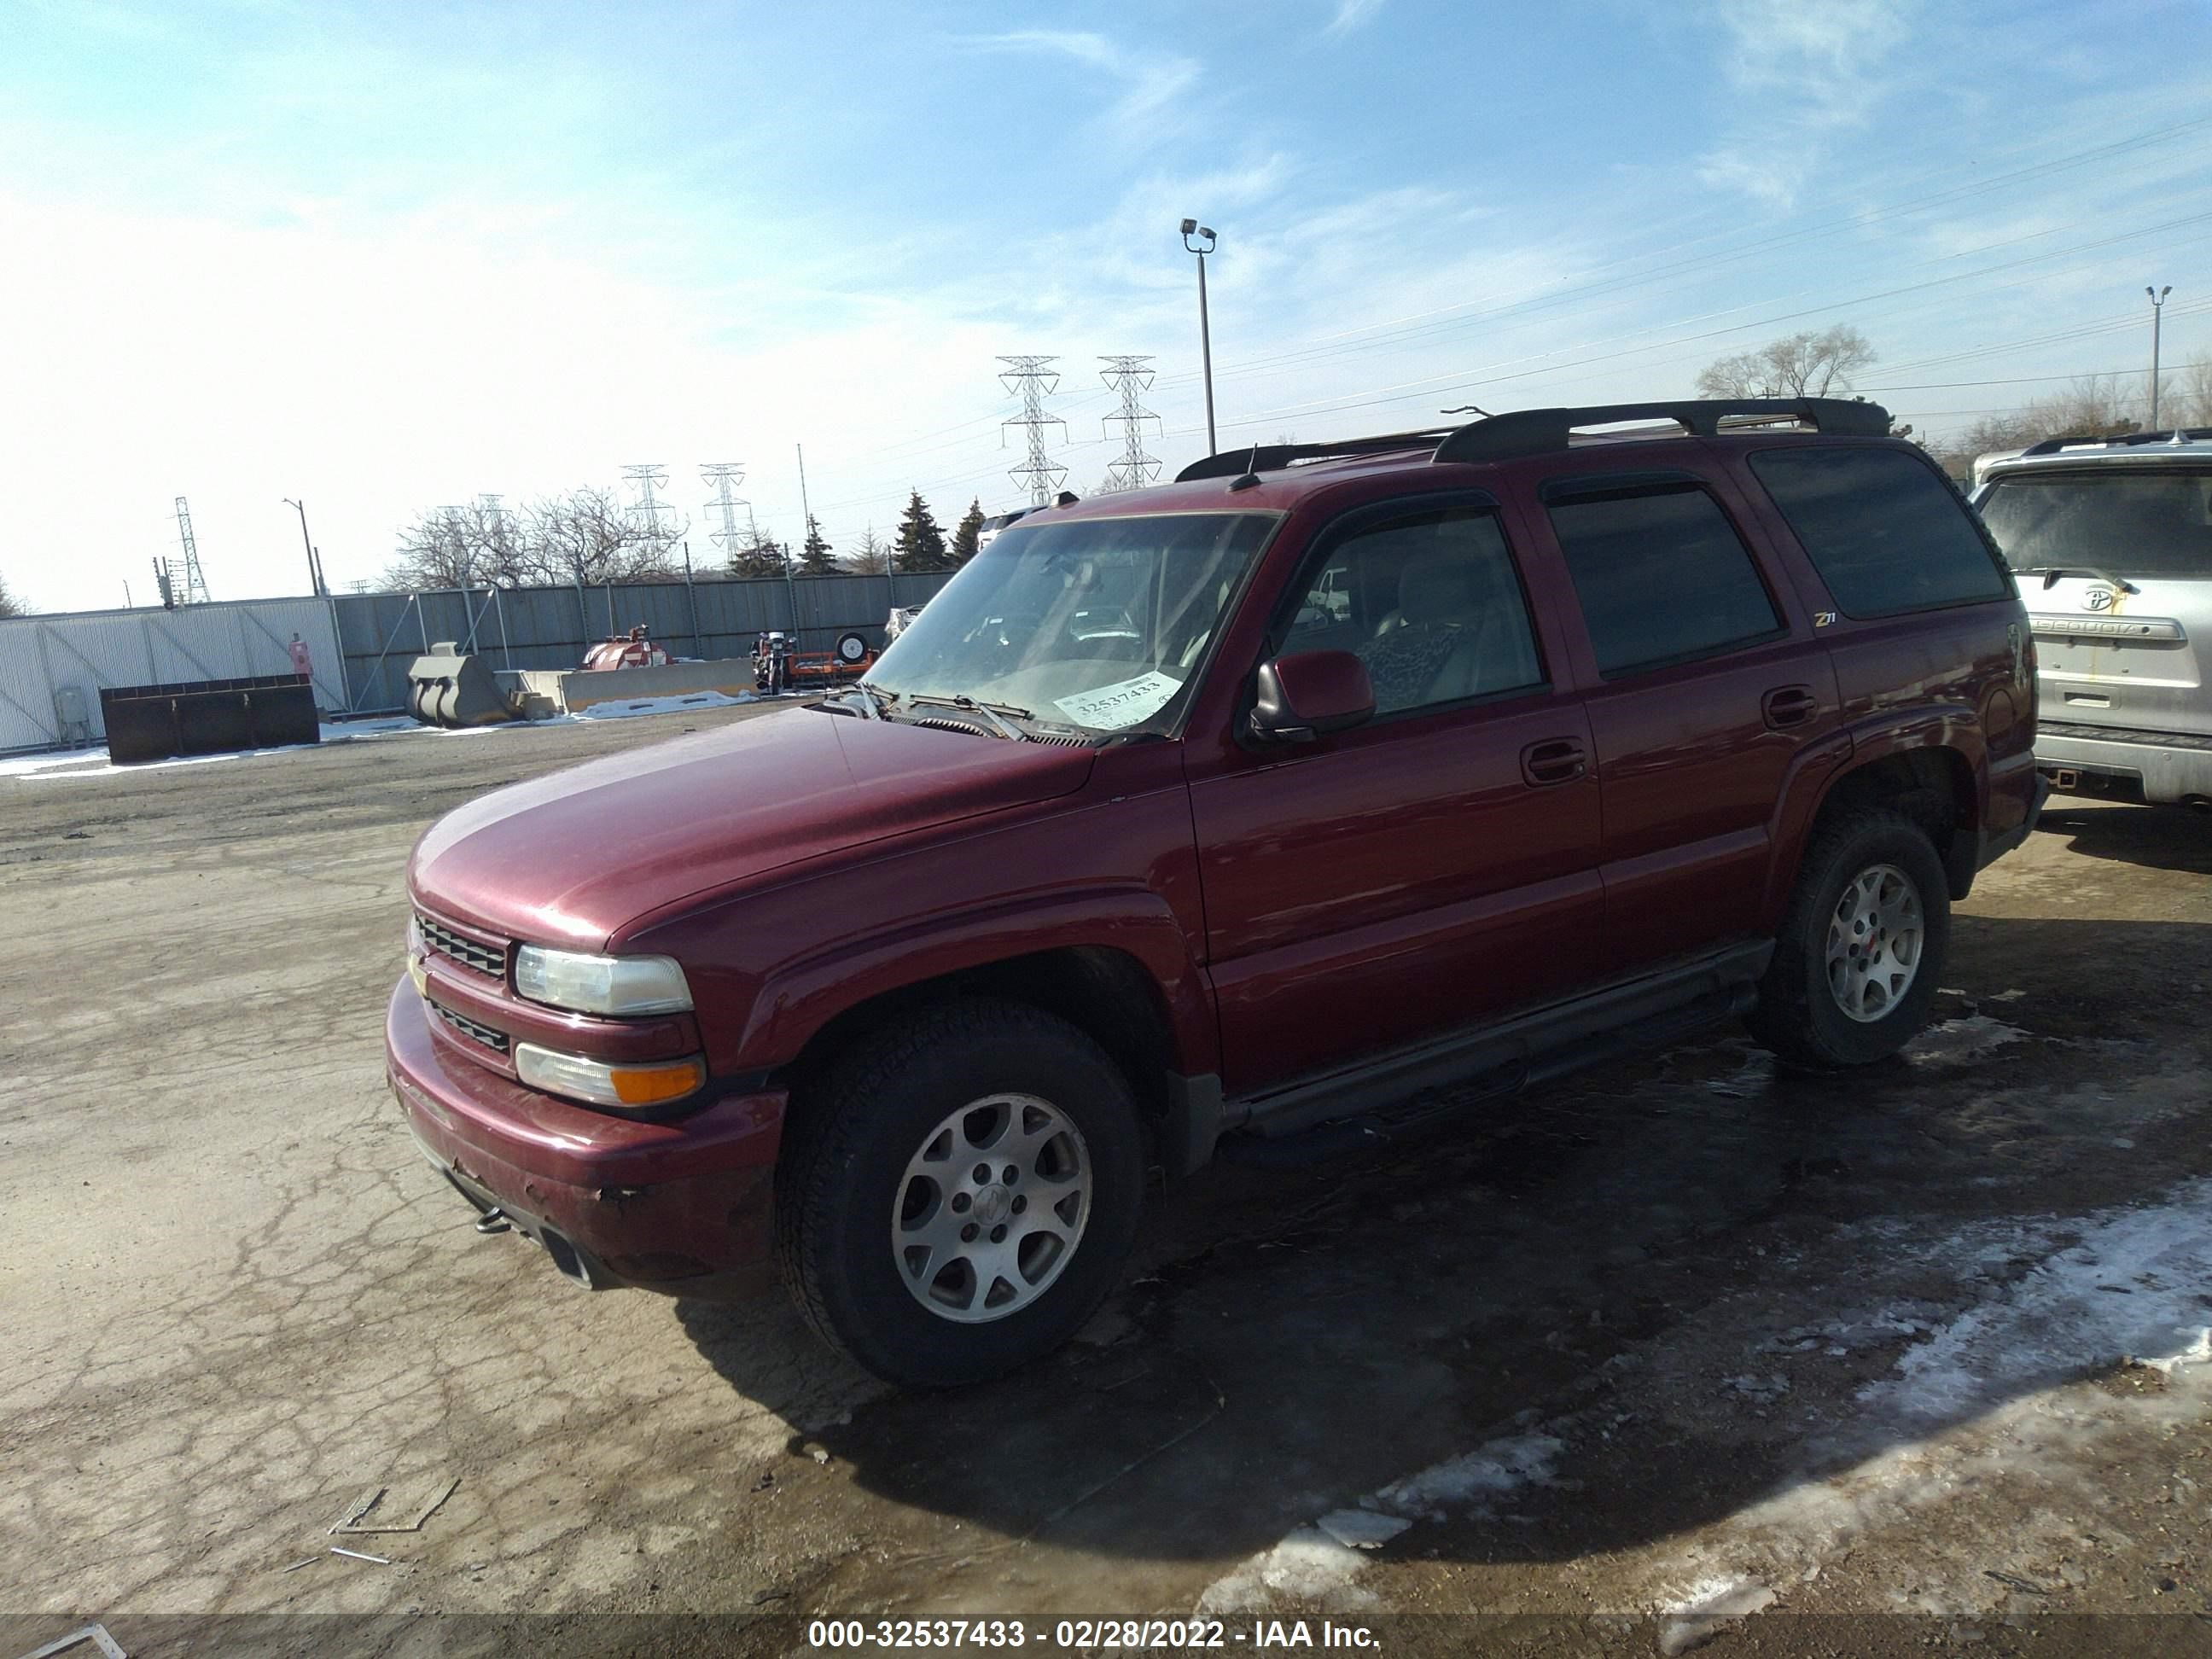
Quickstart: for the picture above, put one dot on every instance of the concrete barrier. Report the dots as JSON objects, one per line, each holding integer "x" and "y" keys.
{"x": 571, "y": 691}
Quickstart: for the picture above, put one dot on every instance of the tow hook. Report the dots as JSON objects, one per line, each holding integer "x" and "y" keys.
{"x": 493, "y": 1221}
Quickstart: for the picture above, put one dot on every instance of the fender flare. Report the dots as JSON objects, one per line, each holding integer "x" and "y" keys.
{"x": 796, "y": 1000}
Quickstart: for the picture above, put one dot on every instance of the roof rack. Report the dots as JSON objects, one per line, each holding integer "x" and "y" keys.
{"x": 1536, "y": 431}
{"x": 1268, "y": 457}
{"x": 1533, "y": 431}
{"x": 2171, "y": 435}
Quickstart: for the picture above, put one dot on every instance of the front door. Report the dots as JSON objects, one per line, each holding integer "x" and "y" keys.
{"x": 1429, "y": 869}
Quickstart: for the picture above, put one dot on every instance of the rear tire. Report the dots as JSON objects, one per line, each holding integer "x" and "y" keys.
{"x": 1862, "y": 945}
{"x": 882, "y": 1172}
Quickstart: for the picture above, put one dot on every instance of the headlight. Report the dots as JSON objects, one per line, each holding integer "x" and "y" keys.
{"x": 602, "y": 1084}
{"x": 601, "y": 985}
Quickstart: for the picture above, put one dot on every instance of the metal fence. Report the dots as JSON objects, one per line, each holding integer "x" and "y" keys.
{"x": 552, "y": 626}
{"x": 53, "y": 668}
{"x": 361, "y": 643}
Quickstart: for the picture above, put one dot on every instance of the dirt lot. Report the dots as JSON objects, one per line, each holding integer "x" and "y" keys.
{"x": 1675, "y": 1341}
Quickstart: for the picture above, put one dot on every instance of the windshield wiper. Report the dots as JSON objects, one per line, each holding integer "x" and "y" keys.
{"x": 2051, "y": 573}
{"x": 869, "y": 693}
{"x": 996, "y": 712}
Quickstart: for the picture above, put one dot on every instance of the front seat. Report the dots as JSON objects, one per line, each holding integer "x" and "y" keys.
{"x": 1450, "y": 637}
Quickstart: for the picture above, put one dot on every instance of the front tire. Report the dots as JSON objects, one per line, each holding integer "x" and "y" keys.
{"x": 1861, "y": 947}
{"x": 960, "y": 1193}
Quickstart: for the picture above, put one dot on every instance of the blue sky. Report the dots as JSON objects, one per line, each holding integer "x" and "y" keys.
{"x": 386, "y": 257}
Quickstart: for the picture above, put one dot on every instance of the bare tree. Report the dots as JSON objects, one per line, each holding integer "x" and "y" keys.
{"x": 2094, "y": 406}
{"x": 2193, "y": 398}
{"x": 9, "y": 604}
{"x": 1805, "y": 365}
{"x": 871, "y": 554}
{"x": 588, "y": 538}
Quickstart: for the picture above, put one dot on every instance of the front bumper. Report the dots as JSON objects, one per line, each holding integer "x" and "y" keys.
{"x": 2171, "y": 766}
{"x": 679, "y": 1206}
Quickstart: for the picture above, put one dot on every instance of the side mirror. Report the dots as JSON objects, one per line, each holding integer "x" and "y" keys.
{"x": 1306, "y": 694}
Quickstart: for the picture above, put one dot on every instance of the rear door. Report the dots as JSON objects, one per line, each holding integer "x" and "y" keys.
{"x": 1705, "y": 683}
{"x": 2110, "y": 657}
{"x": 1433, "y": 867}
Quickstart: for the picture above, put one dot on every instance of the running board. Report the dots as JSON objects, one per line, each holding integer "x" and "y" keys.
{"x": 1396, "y": 1094}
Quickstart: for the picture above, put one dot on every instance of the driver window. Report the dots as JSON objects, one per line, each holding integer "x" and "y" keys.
{"x": 1430, "y": 603}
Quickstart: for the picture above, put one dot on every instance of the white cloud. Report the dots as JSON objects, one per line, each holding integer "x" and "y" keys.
{"x": 1151, "y": 82}
{"x": 1352, "y": 15}
{"x": 1801, "y": 74}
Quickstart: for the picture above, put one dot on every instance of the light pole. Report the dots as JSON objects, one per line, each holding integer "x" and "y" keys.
{"x": 1191, "y": 228}
{"x": 2157, "y": 305}
{"x": 315, "y": 569}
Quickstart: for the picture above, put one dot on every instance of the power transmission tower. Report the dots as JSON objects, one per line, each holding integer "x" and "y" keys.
{"x": 1132, "y": 469}
{"x": 195, "y": 586}
{"x": 1031, "y": 381}
{"x": 647, "y": 475}
{"x": 725, "y": 477}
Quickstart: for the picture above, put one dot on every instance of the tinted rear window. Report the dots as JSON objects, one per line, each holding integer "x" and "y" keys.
{"x": 1661, "y": 577}
{"x": 2127, "y": 523}
{"x": 1885, "y": 531}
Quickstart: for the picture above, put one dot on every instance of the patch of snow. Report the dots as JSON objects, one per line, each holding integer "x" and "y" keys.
{"x": 1951, "y": 1041}
{"x": 1309, "y": 1566}
{"x": 621, "y": 711}
{"x": 1362, "y": 1530}
{"x": 2056, "y": 1323}
{"x": 1981, "y": 1400}
{"x": 1698, "y": 1613}
{"x": 1318, "y": 1562}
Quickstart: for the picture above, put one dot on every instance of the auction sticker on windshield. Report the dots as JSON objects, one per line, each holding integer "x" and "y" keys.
{"x": 1110, "y": 707}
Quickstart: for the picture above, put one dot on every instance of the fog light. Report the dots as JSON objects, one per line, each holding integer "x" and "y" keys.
{"x": 602, "y": 1084}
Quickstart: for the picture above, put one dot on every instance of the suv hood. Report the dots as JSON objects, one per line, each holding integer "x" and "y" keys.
{"x": 568, "y": 859}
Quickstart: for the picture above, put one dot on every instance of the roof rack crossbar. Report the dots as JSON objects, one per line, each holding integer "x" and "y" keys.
{"x": 1533, "y": 431}
{"x": 2164, "y": 434}
{"x": 1268, "y": 457}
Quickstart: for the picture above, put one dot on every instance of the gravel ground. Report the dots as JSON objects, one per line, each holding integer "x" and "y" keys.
{"x": 1678, "y": 1351}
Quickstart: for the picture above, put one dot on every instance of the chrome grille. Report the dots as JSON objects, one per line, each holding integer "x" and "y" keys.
{"x": 484, "y": 958}
{"x": 495, "y": 1040}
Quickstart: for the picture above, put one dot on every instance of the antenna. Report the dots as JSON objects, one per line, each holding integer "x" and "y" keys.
{"x": 725, "y": 477}
{"x": 195, "y": 585}
{"x": 1031, "y": 381}
{"x": 1132, "y": 469}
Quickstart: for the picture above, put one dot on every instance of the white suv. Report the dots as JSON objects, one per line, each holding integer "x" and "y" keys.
{"x": 2119, "y": 531}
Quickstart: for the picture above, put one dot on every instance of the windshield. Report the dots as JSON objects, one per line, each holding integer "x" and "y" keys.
{"x": 2127, "y": 523}
{"x": 1095, "y": 623}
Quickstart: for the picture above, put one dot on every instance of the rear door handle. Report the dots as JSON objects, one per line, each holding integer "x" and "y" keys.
{"x": 1789, "y": 705}
{"x": 1559, "y": 760}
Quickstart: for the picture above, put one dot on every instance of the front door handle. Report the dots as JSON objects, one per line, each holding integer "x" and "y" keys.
{"x": 1557, "y": 760}
{"x": 1789, "y": 705}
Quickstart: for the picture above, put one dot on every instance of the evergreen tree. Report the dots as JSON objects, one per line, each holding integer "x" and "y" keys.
{"x": 759, "y": 555}
{"x": 919, "y": 544}
{"x": 964, "y": 534}
{"x": 815, "y": 558}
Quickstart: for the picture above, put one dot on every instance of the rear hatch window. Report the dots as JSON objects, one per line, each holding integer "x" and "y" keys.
{"x": 2125, "y": 522}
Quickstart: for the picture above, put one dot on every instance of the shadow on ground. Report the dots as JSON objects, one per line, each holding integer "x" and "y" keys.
{"x": 1288, "y": 1341}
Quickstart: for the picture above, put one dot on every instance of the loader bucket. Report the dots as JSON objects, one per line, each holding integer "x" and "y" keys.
{"x": 446, "y": 687}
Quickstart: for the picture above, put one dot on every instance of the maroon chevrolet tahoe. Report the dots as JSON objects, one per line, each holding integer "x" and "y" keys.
{"x": 1327, "y": 790}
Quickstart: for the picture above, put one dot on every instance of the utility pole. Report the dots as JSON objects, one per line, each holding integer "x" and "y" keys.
{"x": 1191, "y": 228}
{"x": 315, "y": 563}
{"x": 2157, "y": 305}
{"x": 805, "y": 511}
{"x": 1031, "y": 381}
{"x": 1130, "y": 377}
